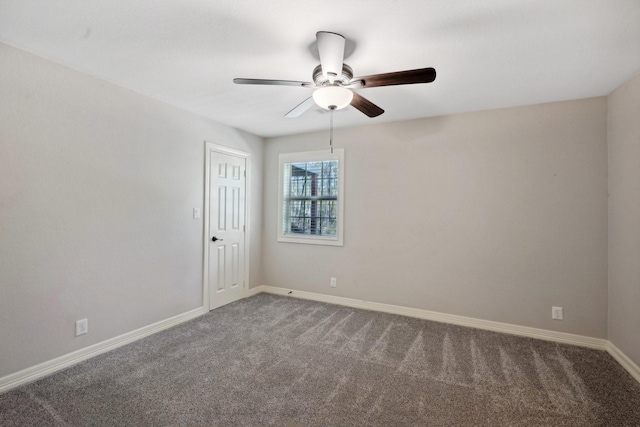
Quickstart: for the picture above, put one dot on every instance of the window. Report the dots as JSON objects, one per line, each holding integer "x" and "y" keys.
{"x": 311, "y": 204}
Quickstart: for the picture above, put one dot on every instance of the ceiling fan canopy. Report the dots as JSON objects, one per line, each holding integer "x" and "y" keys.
{"x": 334, "y": 83}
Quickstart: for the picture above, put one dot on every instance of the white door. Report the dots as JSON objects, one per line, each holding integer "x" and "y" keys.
{"x": 226, "y": 228}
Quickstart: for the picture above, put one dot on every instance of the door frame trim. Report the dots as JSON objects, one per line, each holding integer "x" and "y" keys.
{"x": 209, "y": 148}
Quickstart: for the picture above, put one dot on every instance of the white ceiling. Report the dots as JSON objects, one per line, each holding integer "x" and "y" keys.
{"x": 487, "y": 53}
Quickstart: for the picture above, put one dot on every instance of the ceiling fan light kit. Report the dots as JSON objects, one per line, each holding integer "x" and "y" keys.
{"x": 333, "y": 97}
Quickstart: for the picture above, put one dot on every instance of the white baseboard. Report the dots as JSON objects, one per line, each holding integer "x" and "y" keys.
{"x": 562, "y": 337}
{"x": 624, "y": 360}
{"x": 46, "y": 368}
{"x": 253, "y": 291}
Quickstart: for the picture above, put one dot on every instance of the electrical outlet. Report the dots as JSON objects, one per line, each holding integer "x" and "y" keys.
{"x": 556, "y": 313}
{"x": 334, "y": 282}
{"x": 82, "y": 327}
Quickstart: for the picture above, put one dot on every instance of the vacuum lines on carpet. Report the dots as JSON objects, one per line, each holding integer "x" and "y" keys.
{"x": 279, "y": 361}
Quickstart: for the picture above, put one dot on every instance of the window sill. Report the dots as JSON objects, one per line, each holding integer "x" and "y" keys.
{"x": 328, "y": 241}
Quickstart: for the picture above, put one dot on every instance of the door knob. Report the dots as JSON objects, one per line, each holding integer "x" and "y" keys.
{"x": 215, "y": 239}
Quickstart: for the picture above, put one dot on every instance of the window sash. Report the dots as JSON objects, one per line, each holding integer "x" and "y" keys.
{"x": 311, "y": 188}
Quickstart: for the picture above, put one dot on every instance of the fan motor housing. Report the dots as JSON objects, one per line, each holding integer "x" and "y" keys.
{"x": 343, "y": 79}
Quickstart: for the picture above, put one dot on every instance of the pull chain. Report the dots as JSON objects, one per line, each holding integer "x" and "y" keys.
{"x": 331, "y": 127}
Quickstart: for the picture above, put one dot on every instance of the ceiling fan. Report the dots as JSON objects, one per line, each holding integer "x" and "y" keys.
{"x": 333, "y": 80}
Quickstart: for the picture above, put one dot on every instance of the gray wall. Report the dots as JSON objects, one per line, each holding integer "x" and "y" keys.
{"x": 624, "y": 218}
{"x": 97, "y": 187}
{"x": 495, "y": 215}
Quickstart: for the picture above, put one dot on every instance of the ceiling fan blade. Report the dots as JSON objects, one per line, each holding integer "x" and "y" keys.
{"x": 365, "y": 106}
{"x": 300, "y": 108}
{"x": 272, "y": 82}
{"x": 331, "y": 50}
{"x": 421, "y": 75}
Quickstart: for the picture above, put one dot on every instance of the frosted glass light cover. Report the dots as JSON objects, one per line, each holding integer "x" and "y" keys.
{"x": 329, "y": 96}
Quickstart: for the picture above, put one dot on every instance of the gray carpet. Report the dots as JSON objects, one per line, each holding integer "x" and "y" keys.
{"x": 278, "y": 361}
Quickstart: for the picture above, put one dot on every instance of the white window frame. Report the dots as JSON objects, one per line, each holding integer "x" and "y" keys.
{"x": 312, "y": 156}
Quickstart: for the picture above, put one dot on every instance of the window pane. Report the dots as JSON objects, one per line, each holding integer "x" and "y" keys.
{"x": 310, "y": 198}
